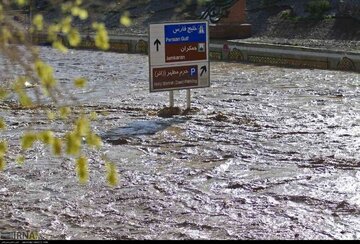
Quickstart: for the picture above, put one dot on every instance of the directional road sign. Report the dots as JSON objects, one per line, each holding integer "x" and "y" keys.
{"x": 179, "y": 56}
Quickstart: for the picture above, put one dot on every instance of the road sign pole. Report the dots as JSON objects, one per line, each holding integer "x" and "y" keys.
{"x": 188, "y": 99}
{"x": 171, "y": 98}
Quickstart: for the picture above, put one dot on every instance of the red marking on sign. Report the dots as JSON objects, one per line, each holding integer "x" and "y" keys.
{"x": 185, "y": 52}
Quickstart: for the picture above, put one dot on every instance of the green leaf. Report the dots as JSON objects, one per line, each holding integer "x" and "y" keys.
{"x": 3, "y": 148}
{"x": 56, "y": 146}
{"x": 38, "y": 22}
{"x": 28, "y": 140}
{"x": 73, "y": 144}
{"x": 47, "y": 137}
{"x": 2, "y": 124}
{"x": 2, "y": 163}
{"x": 80, "y": 82}
{"x": 125, "y": 19}
{"x": 82, "y": 169}
{"x": 112, "y": 175}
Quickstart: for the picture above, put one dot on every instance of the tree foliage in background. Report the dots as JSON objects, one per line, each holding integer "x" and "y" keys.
{"x": 317, "y": 8}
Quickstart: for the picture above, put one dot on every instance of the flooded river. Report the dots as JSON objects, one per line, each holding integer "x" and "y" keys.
{"x": 266, "y": 153}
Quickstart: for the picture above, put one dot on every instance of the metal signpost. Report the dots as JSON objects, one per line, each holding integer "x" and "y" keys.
{"x": 179, "y": 57}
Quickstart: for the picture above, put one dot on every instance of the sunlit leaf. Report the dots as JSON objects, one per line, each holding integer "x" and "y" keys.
{"x": 60, "y": 46}
{"x": 19, "y": 88}
{"x": 5, "y": 35}
{"x": 75, "y": 11}
{"x": 47, "y": 137}
{"x": 51, "y": 115}
{"x": 101, "y": 38}
{"x": 93, "y": 116}
{"x": 64, "y": 112}
{"x": 112, "y": 175}
{"x": 2, "y": 124}
{"x": 28, "y": 140}
{"x": 45, "y": 73}
{"x": 66, "y": 7}
{"x": 56, "y": 146}
{"x": 66, "y": 25}
{"x": 73, "y": 144}
{"x": 21, "y": 2}
{"x": 74, "y": 37}
{"x": 93, "y": 140}
{"x": 82, "y": 126}
{"x": 82, "y": 169}
{"x": 24, "y": 99}
{"x": 3, "y": 93}
{"x": 125, "y": 19}
{"x": 80, "y": 82}
{"x": 79, "y": 12}
{"x": 53, "y": 30}
{"x": 3, "y": 148}
{"x": 20, "y": 159}
{"x": 83, "y": 14}
{"x": 2, "y": 163}
{"x": 38, "y": 22}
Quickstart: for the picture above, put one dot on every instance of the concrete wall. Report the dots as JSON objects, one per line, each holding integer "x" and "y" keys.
{"x": 240, "y": 51}
{"x": 279, "y": 55}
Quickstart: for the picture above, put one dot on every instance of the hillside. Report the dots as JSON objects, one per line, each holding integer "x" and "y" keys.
{"x": 276, "y": 21}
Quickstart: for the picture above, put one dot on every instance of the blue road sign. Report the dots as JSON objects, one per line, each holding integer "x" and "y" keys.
{"x": 182, "y": 33}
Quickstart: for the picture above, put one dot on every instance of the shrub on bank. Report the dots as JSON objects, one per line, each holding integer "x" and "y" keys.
{"x": 318, "y": 8}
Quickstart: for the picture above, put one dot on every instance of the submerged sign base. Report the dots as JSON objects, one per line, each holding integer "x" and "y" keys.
{"x": 179, "y": 56}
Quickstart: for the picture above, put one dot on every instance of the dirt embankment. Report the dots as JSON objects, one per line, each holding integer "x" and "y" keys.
{"x": 289, "y": 22}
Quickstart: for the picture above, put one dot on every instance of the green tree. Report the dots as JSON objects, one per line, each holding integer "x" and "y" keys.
{"x": 317, "y": 8}
{"x": 15, "y": 39}
{"x": 16, "y": 47}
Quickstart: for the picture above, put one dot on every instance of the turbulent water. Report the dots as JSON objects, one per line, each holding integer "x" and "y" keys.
{"x": 266, "y": 153}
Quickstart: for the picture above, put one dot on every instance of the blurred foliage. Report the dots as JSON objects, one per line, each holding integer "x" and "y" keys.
{"x": 17, "y": 49}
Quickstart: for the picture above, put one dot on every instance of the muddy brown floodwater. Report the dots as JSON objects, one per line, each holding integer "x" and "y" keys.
{"x": 268, "y": 153}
